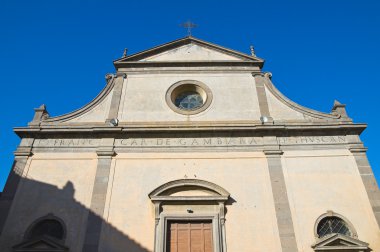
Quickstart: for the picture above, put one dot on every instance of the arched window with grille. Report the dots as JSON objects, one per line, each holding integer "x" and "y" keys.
{"x": 49, "y": 226}
{"x": 333, "y": 223}
{"x": 334, "y": 232}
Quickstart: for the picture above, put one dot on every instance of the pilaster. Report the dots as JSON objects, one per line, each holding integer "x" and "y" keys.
{"x": 95, "y": 218}
{"x": 368, "y": 178}
{"x": 116, "y": 96}
{"x": 262, "y": 97}
{"x": 280, "y": 196}
{"x": 23, "y": 152}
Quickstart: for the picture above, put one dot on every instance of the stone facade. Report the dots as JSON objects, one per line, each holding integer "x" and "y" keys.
{"x": 262, "y": 169}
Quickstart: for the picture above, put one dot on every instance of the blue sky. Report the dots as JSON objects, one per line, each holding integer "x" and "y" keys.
{"x": 57, "y": 52}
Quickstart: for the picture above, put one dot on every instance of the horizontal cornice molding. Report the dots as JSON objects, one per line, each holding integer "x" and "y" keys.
{"x": 284, "y": 129}
{"x": 145, "y": 64}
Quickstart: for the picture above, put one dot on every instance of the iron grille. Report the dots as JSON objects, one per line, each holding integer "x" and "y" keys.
{"x": 332, "y": 225}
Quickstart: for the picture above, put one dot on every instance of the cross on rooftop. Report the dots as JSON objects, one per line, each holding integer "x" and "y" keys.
{"x": 189, "y": 25}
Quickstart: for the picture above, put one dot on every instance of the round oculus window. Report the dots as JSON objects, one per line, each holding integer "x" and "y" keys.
{"x": 188, "y": 97}
{"x": 188, "y": 100}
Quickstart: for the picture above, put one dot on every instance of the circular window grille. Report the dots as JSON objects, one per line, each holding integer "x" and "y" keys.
{"x": 333, "y": 225}
{"x": 188, "y": 97}
{"x": 188, "y": 100}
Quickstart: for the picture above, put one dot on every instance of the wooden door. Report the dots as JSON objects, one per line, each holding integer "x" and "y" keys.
{"x": 190, "y": 236}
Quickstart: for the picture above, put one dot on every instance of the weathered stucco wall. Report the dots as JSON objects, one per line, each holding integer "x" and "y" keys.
{"x": 316, "y": 181}
{"x": 234, "y": 98}
{"x": 327, "y": 180}
{"x": 191, "y": 52}
{"x": 57, "y": 183}
{"x": 250, "y": 215}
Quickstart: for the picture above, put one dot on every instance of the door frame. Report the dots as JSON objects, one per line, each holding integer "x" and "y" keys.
{"x": 165, "y": 218}
{"x": 213, "y": 198}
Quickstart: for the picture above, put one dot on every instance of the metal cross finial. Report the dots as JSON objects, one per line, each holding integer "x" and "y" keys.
{"x": 125, "y": 52}
{"x": 189, "y": 25}
{"x": 252, "y": 50}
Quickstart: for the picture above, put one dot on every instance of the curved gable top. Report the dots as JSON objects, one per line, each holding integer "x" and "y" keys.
{"x": 253, "y": 93}
{"x": 186, "y": 183}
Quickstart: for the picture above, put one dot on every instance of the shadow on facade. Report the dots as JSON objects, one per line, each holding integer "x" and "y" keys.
{"x": 38, "y": 201}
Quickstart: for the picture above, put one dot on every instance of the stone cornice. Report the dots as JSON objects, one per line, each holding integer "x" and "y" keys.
{"x": 349, "y": 128}
{"x": 184, "y": 41}
{"x": 291, "y": 104}
{"x": 110, "y": 78}
{"x": 187, "y": 64}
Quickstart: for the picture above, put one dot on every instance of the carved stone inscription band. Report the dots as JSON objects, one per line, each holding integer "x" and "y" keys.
{"x": 189, "y": 142}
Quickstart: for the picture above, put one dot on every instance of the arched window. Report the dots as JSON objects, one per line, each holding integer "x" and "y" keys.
{"x": 333, "y": 223}
{"x": 49, "y": 226}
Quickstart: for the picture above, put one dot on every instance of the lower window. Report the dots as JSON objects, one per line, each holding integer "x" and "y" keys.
{"x": 188, "y": 236}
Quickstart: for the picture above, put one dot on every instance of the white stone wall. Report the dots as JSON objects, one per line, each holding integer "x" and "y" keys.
{"x": 250, "y": 218}
{"x": 191, "y": 52}
{"x": 322, "y": 180}
{"x": 316, "y": 181}
{"x": 57, "y": 183}
{"x": 234, "y": 98}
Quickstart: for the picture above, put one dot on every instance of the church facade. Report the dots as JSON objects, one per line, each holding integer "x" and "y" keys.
{"x": 191, "y": 148}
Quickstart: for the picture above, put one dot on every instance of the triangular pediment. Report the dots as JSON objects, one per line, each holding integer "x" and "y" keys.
{"x": 44, "y": 243}
{"x": 338, "y": 242}
{"x": 189, "y": 49}
{"x": 191, "y": 52}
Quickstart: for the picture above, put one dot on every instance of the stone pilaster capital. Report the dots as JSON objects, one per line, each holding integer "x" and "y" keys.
{"x": 105, "y": 152}
{"x": 106, "y": 148}
{"x": 23, "y": 152}
{"x": 254, "y": 74}
{"x": 361, "y": 149}
{"x": 272, "y": 153}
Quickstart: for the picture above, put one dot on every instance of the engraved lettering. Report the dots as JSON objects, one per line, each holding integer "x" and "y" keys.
{"x": 207, "y": 141}
{"x": 195, "y": 142}
{"x": 242, "y": 140}
{"x": 304, "y": 140}
{"x": 341, "y": 139}
{"x": 182, "y": 141}
{"x": 325, "y": 139}
{"x": 253, "y": 141}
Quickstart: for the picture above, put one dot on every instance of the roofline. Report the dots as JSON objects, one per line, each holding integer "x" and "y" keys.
{"x": 184, "y": 41}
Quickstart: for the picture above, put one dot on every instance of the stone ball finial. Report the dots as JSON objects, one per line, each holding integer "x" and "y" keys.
{"x": 268, "y": 75}
{"x": 108, "y": 76}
